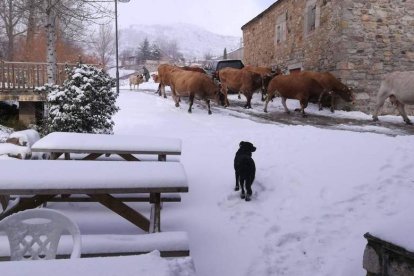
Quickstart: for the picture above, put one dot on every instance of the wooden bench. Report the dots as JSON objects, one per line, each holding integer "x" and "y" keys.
{"x": 44, "y": 180}
{"x": 170, "y": 244}
{"x": 96, "y": 145}
{"x": 170, "y": 197}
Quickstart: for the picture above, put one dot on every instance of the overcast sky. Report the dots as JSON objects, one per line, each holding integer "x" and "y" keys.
{"x": 218, "y": 16}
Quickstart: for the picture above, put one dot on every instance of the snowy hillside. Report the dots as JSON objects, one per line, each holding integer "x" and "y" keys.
{"x": 192, "y": 41}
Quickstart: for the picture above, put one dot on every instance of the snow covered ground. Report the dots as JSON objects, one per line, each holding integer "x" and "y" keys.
{"x": 317, "y": 191}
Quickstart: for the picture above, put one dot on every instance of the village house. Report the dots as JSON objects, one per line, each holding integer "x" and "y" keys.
{"x": 358, "y": 41}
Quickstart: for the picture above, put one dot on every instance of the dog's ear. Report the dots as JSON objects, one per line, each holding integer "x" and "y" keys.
{"x": 241, "y": 144}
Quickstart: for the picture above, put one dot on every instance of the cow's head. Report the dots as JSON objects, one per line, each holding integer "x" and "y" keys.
{"x": 140, "y": 78}
{"x": 346, "y": 93}
{"x": 155, "y": 78}
{"x": 221, "y": 99}
{"x": 221, "y": 96}
{"x": 265, "y": 83}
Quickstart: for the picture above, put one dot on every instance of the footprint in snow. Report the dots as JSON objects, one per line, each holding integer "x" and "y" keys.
{"x": 289, "y": 238}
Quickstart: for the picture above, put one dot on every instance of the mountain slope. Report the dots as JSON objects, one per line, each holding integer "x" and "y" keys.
{"x": 192, "y": 41}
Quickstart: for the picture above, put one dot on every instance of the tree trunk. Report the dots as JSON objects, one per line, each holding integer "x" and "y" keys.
{"x": 31, "y": 28}
{"x": 51, "y": 57}
{"x": 10, "y": 32}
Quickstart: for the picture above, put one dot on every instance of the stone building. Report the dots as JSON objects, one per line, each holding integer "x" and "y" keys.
{"x": 356, "y": 40}
{"x": 236, "y": 54}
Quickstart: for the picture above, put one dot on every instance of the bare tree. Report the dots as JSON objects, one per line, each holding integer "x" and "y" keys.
{"x": 31, "y": 26}
{"x": 103, "y": 43}
{"x": 171, "y": 49}
{"x": 71, "y": 16}
{"x": 11, "y": 14}
{"x": 208, "y": 56}
{"x": 67, "y": 18}
{"x": 125, "y": 55}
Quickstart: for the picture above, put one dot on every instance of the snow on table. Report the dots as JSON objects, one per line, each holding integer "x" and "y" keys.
{"x": 101, "y": 244}
{"x": 38, "y": 176}
{"x": 86, "y": 142}
{"x": 150, "y": 264}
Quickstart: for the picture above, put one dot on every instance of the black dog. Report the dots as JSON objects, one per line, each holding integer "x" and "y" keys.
{"x": 245, "y": 169}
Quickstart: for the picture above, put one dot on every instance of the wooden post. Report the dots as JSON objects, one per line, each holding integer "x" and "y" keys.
{"x": 4, "y": 201}
{"x": 13, "y": 76}
{"x": 37, "y": 75}
{"x": 155, "y": 220}
{"x": 2, "y": 80}
{"x": 3, "y": 76}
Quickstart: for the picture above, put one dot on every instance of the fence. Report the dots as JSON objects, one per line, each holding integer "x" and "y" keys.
{"x": 25, "y": 76}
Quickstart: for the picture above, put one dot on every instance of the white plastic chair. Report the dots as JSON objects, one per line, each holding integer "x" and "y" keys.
{"x": 34, "y": 234}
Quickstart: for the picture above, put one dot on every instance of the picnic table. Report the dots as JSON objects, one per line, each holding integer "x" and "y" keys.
{"x": 43, "y": 180}
{"x": 95, "y": 145}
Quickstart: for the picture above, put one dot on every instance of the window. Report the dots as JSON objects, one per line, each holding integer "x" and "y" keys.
{"x": 279, "y": 34}
{"x": 281, "y": 28}
{"x": 312, "y": 13}
{"x": 311, "y": 17}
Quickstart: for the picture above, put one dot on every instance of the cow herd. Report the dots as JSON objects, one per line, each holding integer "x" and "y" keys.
{"x": 186, "y": 82}
{"x": 193, "y": 82}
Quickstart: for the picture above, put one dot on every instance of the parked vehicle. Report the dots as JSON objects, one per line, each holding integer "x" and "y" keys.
{"x": 214, "y": 66}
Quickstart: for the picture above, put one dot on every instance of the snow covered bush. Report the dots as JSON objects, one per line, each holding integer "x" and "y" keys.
{"x": 84, "y": 103}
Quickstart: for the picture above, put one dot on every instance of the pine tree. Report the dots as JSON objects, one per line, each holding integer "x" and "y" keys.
{"x": 155, "y": 52}
{"x": 225, "y": 53}
{"x": 84, "y": 103}
{"x": 144, "y": 52}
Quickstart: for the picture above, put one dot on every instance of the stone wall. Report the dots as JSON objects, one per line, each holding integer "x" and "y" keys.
{"x": 382, "y": 258}
{"x": 357, "y": 40}
{"x": 379, "y": 38}
{"x": 314, "y": 50}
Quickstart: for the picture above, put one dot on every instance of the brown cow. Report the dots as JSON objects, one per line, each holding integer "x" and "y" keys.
{"x": 260, "y": 70}
{"x": 299, "y": 87}
{"x": 332, "y": 86}
{"x": 193, "y": 68}
{"x": 135, "y": 80}
{"x": 266, "y": 73}
{"x": 191, "y": 84}
{"x": 164, "y": 76}
{"x": 244, "y": 81}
